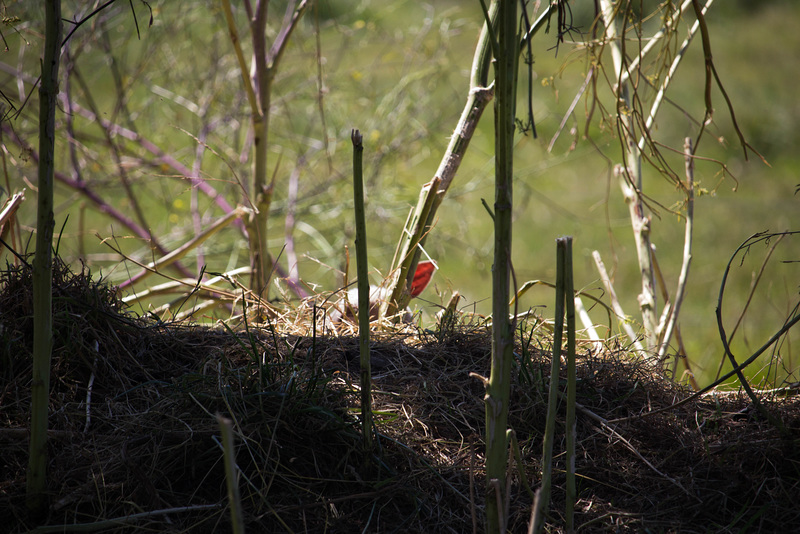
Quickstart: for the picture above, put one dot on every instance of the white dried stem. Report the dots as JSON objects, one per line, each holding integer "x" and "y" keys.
{"x": 630, "y": 177}
{"x": 588, "y": 325}
{"x": 616, "y": 306}
{"x": 687, "y": 252}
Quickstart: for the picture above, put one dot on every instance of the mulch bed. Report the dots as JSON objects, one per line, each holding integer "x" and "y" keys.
{"x": 134, "y": 440}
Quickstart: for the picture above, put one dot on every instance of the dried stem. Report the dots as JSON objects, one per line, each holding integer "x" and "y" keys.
{"x": 617, "y": 307}
{"x": 363, "y": 293}
{"x": 36, "y": 482}
{"x": 667, "y": 326}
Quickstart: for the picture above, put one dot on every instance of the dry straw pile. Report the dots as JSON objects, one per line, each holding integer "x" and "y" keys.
{"x": 134, "y": 443}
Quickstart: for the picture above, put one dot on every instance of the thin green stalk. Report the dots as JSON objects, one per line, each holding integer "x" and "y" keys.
{"x": 363, "y": 292}
{"x": 569, "y": 292}
{"x": 499, "y": 384}
{"x": 552, "y": 400}
{"x": 229, "y": 453}
{"x": 43, "y": 263}
{"x": 512, "y": 439}
{"x": 262, "y": 189}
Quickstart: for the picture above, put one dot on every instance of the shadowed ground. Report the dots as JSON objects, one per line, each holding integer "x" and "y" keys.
{"x": 143, "y": 449}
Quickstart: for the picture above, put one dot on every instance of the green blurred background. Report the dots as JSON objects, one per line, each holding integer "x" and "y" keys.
{"x": 398, "y": 71}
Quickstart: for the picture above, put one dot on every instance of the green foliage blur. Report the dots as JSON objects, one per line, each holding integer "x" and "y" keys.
{"x": 398, "y": 72}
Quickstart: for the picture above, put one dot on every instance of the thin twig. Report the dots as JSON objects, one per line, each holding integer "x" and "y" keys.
{"x": 120, "y": 521}
{"x": 607, "y": 425}
{"x": 726, "y": 346}
{"x": 184, "y": 249}
{"x": 660, "y": 96}
{"x": 687, "y": 254}
{"x": 621, "y": 317}
{"x": 753, "y": 286}
{"x": 654, "y": 40}
{"x": 573, "y": 104}
{"x": 237, "y": 48}
{"x": 711, "y": 70}
{"x": 588, "y": 325}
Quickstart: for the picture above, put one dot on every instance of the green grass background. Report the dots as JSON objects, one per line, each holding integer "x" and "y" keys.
{"x": 398, "y": 71}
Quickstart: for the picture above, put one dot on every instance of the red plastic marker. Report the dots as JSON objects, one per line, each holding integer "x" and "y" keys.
{"x": 422, "y": 277}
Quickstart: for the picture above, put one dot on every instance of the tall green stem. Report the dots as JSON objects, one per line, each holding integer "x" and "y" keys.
{"x": 569, "y": 301}
{"x": 498, "y": 385}
{"x": 552, "y": 400}
{"x": 262, "y": 192}
{"x": 363, "y": 292}
{"x": 43, "y": 262}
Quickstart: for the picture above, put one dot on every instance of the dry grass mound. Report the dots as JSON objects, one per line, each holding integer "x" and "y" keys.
{"x": 134, "y": 444}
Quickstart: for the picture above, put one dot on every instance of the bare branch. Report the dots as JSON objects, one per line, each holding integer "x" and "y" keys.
{"x": 237, "y": 48}
{"x": 669, "y": 328}
{"x": 621, "y": 317}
